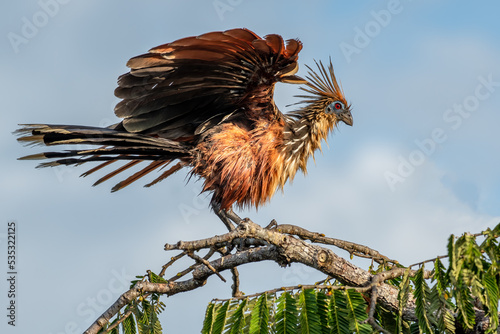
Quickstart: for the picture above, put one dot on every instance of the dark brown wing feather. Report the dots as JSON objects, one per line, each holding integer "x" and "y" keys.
{"x": 181, "y": 89}
{"x": 173, "y": 94}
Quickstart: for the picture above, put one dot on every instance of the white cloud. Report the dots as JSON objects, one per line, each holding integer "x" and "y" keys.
{"x": 354, "y": 202}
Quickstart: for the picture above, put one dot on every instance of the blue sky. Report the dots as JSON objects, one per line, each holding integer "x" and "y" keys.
{"x": 421, "y": 161}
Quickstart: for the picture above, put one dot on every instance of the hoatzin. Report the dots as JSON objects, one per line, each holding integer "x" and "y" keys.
{"x": 206, "y": 103}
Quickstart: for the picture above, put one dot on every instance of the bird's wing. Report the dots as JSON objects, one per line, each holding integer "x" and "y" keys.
{"x": 181, "y": 89}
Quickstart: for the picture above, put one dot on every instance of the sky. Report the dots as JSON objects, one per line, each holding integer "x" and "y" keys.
{"x": 420, "y": 163}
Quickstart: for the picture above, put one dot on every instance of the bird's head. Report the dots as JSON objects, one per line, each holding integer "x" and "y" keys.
{"x": 323, "y": 108}
{"x": 326, "y": 102}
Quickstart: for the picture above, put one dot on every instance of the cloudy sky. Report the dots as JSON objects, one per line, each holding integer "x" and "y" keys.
{"x": 421, "y": 161}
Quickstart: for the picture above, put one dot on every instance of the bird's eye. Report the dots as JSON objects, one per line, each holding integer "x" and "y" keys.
{"x": 335, "y": 107}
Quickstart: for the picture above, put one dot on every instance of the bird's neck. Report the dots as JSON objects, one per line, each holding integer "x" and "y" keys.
{"x": 297, "y": 137}
{"x": 301, "y": 137}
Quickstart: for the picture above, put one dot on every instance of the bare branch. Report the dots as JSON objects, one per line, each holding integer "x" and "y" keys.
{"x": 122, "y": 319}
{"x": 352, "y": 248}
{"x": 205, "y": 262}
{"x": 283, "y": 249}
{"x": 373, "y": 303}
{"x": 190, "y": 268}
{"x": 426, "y": 261}
{"x": 200, "y": 276}
{"x": 235, "y": 287}
{"x": 171, "y": 262}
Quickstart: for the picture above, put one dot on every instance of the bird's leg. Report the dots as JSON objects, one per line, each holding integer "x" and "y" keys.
{"x": 228, "y": 217}
{"x": 224, "y": 219}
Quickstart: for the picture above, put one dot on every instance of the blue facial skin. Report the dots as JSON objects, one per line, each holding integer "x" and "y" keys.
{"x": 336, "y": 107}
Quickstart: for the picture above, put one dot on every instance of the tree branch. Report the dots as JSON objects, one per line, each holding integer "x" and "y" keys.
{"x": 281, "y": 248}
{"x": 352, "y": 248}
{"x": 200, "y": 276}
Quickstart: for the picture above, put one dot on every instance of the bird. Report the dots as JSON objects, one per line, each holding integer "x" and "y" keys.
{"x": 206, "y": 103}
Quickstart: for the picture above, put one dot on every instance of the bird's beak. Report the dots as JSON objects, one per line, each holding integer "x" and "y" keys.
{"x": 346, "y": 117}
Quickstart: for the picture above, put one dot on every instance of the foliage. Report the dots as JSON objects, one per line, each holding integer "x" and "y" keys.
{"x": 304, "y": 311}
{"x": 458, "y": 291}
{"x": 469, "y": 284}
{"x": 141, "y": 315}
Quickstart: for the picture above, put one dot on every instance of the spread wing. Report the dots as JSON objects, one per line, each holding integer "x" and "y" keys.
{"x": 181, "y": 89}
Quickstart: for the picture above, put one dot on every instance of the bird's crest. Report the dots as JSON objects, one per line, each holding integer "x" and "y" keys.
{"x": 323, "y": 87}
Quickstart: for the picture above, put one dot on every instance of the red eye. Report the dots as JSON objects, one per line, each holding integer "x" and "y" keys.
{"x": 338, "y": 105}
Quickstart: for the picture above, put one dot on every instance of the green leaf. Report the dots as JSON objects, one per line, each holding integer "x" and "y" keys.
{"x": 220, "y": 319}
{"x": 209, "y": 318}
{"x": 473, "y": 266}
{"x": 309, "y": 319}
{"x": 322, "y": 301}
{"x": 404, "y": 289}
{"x": 451, "y": 255}
{"x": 465, "y": 305}
{"x": 248, "y": 313}
{"x": 440, "y": 276}
{"x": 159, "y": 307}
{"x": 142, "y": 317}
{"x": 286, "y": 314}
{"x": 153, "y": 278}
{"x": 260, "y": 316}
{"x": 357, "y": 309}
{"x": 492, "y": 296}
{"x": 129, "y": 326}
{"x": 414, "y": 329}
{"x": 339, "y": 322}
{"x": 156, "y": 325}
{"x": 237, "y": 320}
{"x": 150, "y": 322}
{"x": 441, "y": 307}
{"x": 491, "y": 247}
{"x": 422, "y": 304}
{"x": 137, "y": 315}
{"x": 388, "y": 319}
{"x": 465, "y": 277}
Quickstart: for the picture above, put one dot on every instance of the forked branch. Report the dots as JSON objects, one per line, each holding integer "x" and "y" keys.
{"x": 252, "y": 243}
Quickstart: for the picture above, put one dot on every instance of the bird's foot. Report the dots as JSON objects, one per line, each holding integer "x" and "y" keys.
{"x": 234, "y": 217}
{"x": 272, "y": 224}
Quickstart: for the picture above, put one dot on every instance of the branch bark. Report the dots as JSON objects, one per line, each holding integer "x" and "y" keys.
{"x": 271, "y": 245}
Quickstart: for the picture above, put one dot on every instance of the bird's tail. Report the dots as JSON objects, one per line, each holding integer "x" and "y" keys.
{"x": 112, "y": 145}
